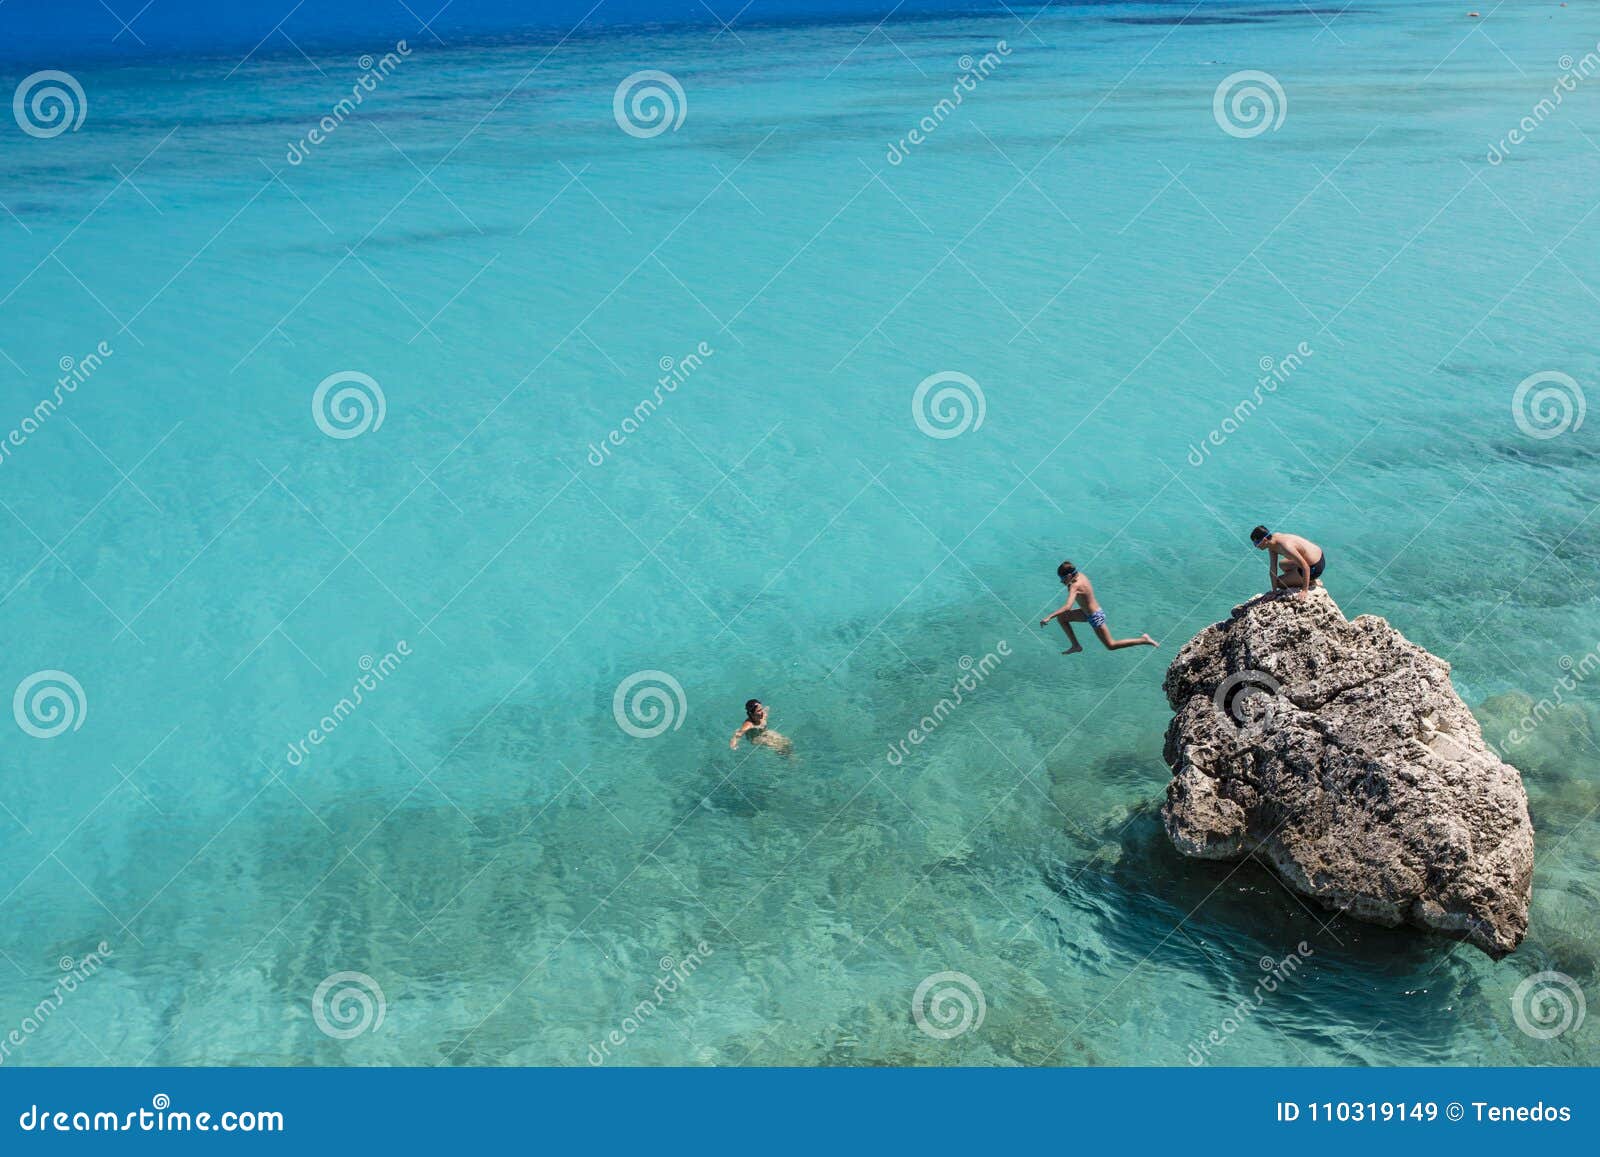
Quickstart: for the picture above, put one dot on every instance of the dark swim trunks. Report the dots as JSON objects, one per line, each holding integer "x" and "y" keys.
{"x": 1316, "y": 567}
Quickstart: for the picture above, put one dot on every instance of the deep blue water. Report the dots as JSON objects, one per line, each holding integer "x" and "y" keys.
{"x": 128, "y": 28}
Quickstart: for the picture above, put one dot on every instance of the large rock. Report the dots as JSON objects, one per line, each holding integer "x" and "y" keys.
{"x": 1340, "y": 755}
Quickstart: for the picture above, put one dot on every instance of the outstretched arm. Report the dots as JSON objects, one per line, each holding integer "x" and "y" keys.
{"x": 733, "y": 744}
{"x": 1061, "y": 610}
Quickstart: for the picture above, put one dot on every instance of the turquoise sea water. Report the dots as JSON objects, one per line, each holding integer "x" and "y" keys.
{"x": 480, "y": 837}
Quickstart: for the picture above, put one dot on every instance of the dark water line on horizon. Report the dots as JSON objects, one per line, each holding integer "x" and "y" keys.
{"x": 176, "y": 33}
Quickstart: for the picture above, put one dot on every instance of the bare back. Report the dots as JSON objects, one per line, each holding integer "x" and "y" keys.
{"x": 1083, "y": 590}
{"x": 1293, "y": 542}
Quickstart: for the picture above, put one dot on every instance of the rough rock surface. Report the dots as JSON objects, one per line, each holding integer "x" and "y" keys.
{"x": 1340, "y": 755}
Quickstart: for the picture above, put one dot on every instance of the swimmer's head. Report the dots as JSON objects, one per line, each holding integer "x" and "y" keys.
{"x": 1259, "y": 536}
{"x": 1066, "y": 571}
{"x": 752, "y": 707}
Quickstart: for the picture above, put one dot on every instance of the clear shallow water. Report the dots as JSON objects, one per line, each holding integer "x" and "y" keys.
{"x": 481, "y": 837}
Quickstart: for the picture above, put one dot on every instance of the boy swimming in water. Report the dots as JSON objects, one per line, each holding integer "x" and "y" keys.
{"x": 755, "y": 727}
{"x": 1300, "y": 560}
{"x": 1081, "y": 590}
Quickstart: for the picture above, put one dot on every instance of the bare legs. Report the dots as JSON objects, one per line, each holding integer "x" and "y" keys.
{"x": 1292, "y": 578}
{"x": 770, "y": 738}
{"x": 1081, "y": 616}
{"x": 1074, "y": 616}
{"x": 1117, "y": 644}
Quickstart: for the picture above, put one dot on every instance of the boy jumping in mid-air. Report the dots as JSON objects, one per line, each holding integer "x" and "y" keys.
{"x": 1081, "y": 590}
